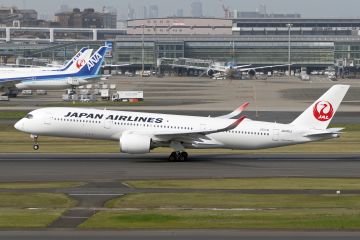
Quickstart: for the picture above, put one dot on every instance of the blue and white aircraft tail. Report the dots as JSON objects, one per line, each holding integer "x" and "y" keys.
{"x": 80, "y": 72}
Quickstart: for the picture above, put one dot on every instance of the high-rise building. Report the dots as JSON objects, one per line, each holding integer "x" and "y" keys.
{"x": 196, "y": 9}
{"x": 131, "y": 13}
{"x": 86, "y": 19}
{"x": 153, "y": 11}
{"x": 143, "y": 12}
{"x": 180, "y": 12}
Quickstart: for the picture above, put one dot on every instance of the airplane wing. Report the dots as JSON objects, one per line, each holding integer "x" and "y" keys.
{"x": 189, "y": 67}
{"x": 188, "y": 135}
{"x": 116, "y": 65}
{"x": 241, "y": 66}
{"x": 255, "y": 68}
{"x": 236, "y": 112}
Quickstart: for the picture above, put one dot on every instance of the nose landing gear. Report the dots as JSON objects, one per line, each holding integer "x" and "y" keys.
{"x": 35, "y": 145}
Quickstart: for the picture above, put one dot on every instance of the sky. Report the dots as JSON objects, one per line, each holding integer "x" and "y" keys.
{"x": 307, "y": 8}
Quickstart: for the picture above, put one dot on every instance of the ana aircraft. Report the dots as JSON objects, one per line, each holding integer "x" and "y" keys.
{"x": 82, "y": 71}
{"x": 139, "y": 133}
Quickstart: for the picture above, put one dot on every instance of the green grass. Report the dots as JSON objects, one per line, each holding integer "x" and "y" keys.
{"x": 253, "y": 183}
{"x": 299, "y": 219}
{"x": 233, "y": 200}
{"x": 40, "y": 185}
{"x": 11, "y": 115}
{"x": 35, "y": 200}
{"x": 28, "y": 218}
{"x": 233, "y": 211}
{"x": 12, "y": 140}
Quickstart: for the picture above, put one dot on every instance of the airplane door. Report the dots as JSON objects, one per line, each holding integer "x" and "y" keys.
{"x": 47, "y": 118}
{"x": 276, "y": 135}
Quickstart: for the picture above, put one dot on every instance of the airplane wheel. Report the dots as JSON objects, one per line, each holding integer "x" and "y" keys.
{"x": 172, "y": 157}
{"x": 183, "y": 156}
{"x": 36, "y": 147}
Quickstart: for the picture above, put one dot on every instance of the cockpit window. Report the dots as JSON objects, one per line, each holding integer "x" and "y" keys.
{"x": 29, "y": 116}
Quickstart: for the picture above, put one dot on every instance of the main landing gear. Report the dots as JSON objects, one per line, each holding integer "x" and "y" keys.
{"x": 36, "y": 144}
{"x": 178, "y": 157}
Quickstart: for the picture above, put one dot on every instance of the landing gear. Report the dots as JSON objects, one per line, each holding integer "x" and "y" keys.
{"x": 178, "y": 157}
{"x": 36, "y": 145}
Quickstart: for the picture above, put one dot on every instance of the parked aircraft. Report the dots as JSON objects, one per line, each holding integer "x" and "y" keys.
{"x": 80, "y": 72}
{"x": 139, "y": 132}
{"x": 228, "y": 69}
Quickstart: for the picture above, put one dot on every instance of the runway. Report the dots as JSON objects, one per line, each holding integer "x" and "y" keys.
{"x": 111, "y": 167}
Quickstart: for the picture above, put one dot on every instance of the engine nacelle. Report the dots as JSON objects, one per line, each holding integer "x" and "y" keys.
{"x": 210, "y": 72}
{"x": 135, "y": 144}
{"x": 252, "y": 73}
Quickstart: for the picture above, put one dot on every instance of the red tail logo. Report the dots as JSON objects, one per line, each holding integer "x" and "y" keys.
{"x": 323, "y": 111}
{"x": 80, "y": 63}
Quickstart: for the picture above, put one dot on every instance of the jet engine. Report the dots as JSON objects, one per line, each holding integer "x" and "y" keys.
{"x": 210, "y": 72}
{"x": 135, "y": 144}
{"x": 251, "y": 73}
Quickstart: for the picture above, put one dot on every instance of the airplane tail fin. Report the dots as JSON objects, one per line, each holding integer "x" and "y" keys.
{"x": 93, "y": 65}
{"x": 76, "y": 57}
{"x": 78, "y": 61}
{"x": 321, "y": 112}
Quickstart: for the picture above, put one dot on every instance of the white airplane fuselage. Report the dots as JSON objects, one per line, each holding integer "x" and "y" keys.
{"x": 111, "y": 125}
{"x": 139, "y": 133}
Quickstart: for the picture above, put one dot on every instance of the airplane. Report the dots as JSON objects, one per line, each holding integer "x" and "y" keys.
{"x": 80, "y": 72}
{"x": 229, "y": 69}
{"x": 77, "y": 57}
{"x": 139, "y": 133}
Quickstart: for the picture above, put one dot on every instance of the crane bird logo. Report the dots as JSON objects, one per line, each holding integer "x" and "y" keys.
{"x": 80, "y": 63}
{"x": 323, "y": 111}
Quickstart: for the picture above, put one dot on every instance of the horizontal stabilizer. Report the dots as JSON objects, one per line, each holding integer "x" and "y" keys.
{"x": 329, "y": 131}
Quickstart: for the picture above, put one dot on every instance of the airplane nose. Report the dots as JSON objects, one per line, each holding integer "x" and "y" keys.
{"x": 19, "y": 125}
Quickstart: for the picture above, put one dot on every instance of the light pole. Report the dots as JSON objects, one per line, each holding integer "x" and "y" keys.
{"x": 142, "y": 51}
{"x": 289, "y": 26}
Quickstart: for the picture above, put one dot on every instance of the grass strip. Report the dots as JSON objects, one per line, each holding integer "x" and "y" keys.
{"x": 10, "y": 115}
{"x": 233, "y": 200}
{"x": 253, "y": 183}
{"x": 35, "y": 200}
{"x": 28, "y": 218}
{"x": 40, "y": 185}
{"x": 298, "y": 219}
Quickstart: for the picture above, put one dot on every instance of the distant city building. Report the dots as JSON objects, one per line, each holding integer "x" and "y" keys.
{"x": 64, "y": 8}
{"x": 23, "y": 17}
{"x": 261, "y": 12}
{"x": 143, "y": 12}
{"x": 153, "y": 11}
{"x": 196, "y": 9}
{"x": 180, "y": 13}
{"x": 86, "y": 19}
{"x": 131, "y": 13}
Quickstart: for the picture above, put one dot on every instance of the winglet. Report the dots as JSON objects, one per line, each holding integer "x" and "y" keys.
{"x": 228, "y": 128}
{"x": 236, "y": 112}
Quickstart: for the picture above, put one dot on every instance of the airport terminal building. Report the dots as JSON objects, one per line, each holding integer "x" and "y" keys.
{"x": 314, "y": 43}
